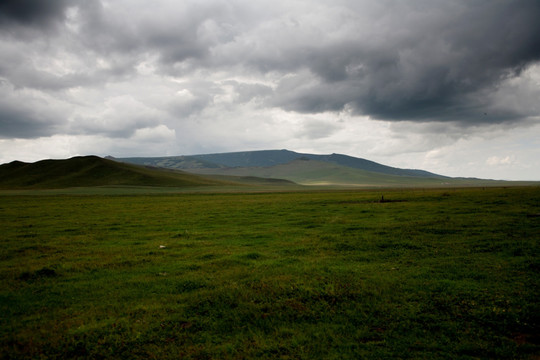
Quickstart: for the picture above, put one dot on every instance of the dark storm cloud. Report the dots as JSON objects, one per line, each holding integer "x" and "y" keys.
{"x": 174, "y": 35}
{"x": 33, "y": 13}
{"x": 24, "y": 122}
{"x": 415, "y": 60}
{"x": 439, "y": 67}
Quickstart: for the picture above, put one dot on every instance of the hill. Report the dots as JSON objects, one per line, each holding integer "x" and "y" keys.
{"x": 314, "y": 172}
{"x": 280, "y": 157}
{"x": 170, "y": 162}
{"x": 302, "y": 168}
{"x": 221, "y": 170}
{"x": 88, "y": 171}
{"x": 268, "y": 158}
{"x": 309, "y": 169}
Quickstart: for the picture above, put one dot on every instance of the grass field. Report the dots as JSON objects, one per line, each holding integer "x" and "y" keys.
{"x": 432, "y": 274}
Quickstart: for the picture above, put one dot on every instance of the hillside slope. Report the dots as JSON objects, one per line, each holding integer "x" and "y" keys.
{"x": 92, "y": 171}
{"x": 268, "y": 158}
{"x": 314, "y": 172}
{"x": 170, "y": 162}
{"x": 279, "y": 157}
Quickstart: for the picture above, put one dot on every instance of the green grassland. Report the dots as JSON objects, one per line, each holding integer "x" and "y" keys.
{"x": 319, "y": 173}
{"x": 431, "y": 274}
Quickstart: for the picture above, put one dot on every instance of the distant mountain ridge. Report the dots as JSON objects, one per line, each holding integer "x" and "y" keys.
{"x": 268, "y": 158}
{"x": 222, "y": 171}
{"x": 306, "y": 171}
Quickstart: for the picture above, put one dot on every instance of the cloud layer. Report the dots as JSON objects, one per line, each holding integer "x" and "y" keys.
{"x": 223, "y": 75}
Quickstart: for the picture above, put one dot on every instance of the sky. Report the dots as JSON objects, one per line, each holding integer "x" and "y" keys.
{"x": 450, "y": 87}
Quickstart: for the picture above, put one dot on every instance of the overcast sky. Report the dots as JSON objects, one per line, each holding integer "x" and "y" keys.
{"x": 449, "y": 86}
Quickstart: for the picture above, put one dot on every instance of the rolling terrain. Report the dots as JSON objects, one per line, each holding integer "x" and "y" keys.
{"x": 89, "y": 171}
{"x": 269, "y": 158}
{"x": 251, "y": 273}
{"x": 315, "y": 172}
{"x": 310, "y": 169}
{"x": 272, "y": 168}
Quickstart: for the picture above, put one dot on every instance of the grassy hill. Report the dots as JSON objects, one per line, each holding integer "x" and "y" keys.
{"x": 313, "y": 172}
{"x": 268, "y": 158}
{"x": 310, "y": 169}
{"x": 93, "y": 171}
{"x": 170, "y": 162}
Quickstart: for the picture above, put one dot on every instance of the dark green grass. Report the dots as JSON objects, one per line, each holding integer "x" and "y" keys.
{"x": 333, "y": 275}
{"x": 90, "y": 171}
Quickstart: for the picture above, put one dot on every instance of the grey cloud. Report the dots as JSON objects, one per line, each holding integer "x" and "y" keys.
{"x": 27, "y": 76}
{"x": 419, "y": 60}
{"x": 306, "y": 94}
{"x": 15, "y": 123}
{"x": 50, "y": 60}
{"x": 249, "y": 91}
{"x": 33, "y": 13}
{"x": 23, "y": 74}
{"x": 119, "y": 129}
{"x": 439, "y": 67}
{"x": 119, "y": 117}
{"x": 181, "y": 108}
{"x": 192, "y": 97}
{"x": 175, "y": 35}
{"x": 45, "y": 81}
{"x": 26, "y": 122}
{"x": 317, "y": 129}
